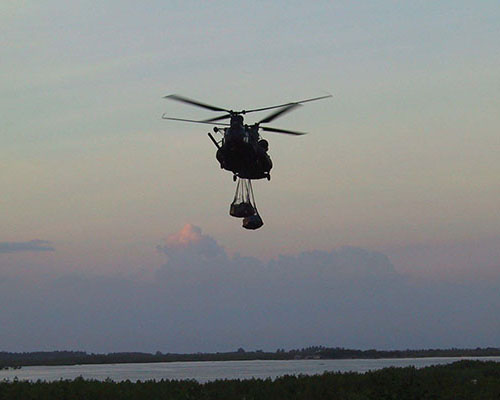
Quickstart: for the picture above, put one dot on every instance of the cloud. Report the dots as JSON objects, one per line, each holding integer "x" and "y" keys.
{"x": 187, "y": 236}
{"x": 477, "y": 259}
{"x": 31, "y": 246}
{"x": 189, "y": 246}
{"x": 203, "y": 300}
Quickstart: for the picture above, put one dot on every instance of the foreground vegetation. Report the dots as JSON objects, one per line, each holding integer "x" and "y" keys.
{"x": 461, "y": 380}
{"x": 8, "y": 359}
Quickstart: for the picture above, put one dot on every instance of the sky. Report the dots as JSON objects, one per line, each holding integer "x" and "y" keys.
{"x": 103, "y": 198}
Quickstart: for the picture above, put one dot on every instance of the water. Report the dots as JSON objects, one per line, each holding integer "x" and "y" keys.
{"x": 211, "y": 370}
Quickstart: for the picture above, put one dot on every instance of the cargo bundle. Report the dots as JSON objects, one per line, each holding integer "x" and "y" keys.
{"x": 243, "y": 205}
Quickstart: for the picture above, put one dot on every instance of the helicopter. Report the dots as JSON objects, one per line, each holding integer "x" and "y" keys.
{"x": 241, "y": 149}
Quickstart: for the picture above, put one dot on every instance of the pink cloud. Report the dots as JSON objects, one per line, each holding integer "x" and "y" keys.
{"x": 190, "y": 241}
{"x": 189, "y": 234}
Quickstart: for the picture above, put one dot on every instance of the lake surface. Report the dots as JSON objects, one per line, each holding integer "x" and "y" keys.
{"x": 211, "y": 370}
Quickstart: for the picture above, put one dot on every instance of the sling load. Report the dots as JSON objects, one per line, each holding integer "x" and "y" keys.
{"x": 244, "y": 206}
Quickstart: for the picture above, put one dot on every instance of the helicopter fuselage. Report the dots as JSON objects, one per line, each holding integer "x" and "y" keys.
{"x": 241, "y": 150}
{"x": 243, "y": 153}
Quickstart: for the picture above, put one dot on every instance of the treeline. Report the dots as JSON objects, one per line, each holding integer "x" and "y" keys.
{"x": 461, "y": 380}
{"x": 315, "y": 352}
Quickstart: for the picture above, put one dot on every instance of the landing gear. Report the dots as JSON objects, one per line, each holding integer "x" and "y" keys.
{"x": 234, "y": 178}
{"x": 268, "y": 176}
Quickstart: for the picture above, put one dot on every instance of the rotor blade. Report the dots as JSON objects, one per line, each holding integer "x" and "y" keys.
{"x": 288, "y": 104}
{"x": 278, "y": 113}
{"x": 265, "y": 128}
{"x": 226, "y": 116}
{"x": 190, "y": 120}
{"x": 194, "y": 102}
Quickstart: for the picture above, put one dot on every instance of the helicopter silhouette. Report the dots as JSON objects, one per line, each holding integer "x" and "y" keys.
{"x": 241, "y": 149}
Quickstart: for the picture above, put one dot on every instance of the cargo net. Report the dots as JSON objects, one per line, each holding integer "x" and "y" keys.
{"x": 243, "y": 205}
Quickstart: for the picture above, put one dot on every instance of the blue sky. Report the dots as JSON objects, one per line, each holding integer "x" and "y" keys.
{"x": 403, "y": 159}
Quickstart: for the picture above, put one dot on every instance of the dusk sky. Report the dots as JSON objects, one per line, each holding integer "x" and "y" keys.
{"x": 382, "y": 226}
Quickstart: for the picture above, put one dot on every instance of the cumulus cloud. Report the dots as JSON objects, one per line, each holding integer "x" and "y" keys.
{"x": 190, "y": 247}
{"x": 31, "y": 246}
{"x": 187, "y": 236}
{"x": 204, "y": 300}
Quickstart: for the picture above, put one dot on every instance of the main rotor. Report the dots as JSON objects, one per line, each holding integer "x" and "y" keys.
{"x": 230, "y": 114}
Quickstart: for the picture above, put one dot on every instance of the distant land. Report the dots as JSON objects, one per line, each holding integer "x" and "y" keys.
{"x": 14, "y": 360}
